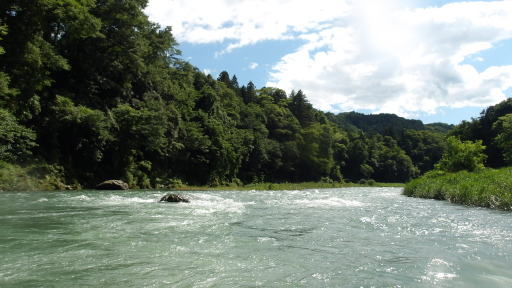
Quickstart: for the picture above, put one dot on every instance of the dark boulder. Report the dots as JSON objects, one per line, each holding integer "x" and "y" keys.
{"x": 171, "y": 197}
{"x": 112, "y": 185}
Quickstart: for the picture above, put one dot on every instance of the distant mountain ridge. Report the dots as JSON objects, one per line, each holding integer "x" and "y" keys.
{"x": 380, "y": 122}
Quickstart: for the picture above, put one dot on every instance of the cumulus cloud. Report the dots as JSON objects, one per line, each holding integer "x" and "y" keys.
{"x": 361, "y": 54}
{"x": 243, "y": 22}
{"x": 253, "y": 65}
{"x": 402, "y": 61}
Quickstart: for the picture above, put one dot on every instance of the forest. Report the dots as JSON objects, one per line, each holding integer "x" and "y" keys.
{"x": 92, "y": 90}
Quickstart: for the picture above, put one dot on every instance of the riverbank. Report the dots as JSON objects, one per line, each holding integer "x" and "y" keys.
{"x": 488, "y": 188}
{"x": 289, "y": 186}
{"x": 14, "y": 178}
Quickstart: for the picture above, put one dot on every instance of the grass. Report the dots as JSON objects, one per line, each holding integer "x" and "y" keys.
{"x": 288, "y": 186}
{"x": 16, "y": 178}
{"x": 13, "y": 177}
{"x": 487, "y": 188}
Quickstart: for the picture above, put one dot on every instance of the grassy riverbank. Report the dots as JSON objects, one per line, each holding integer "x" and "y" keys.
{"x": 290, "y": 186}
{"x": 14, "y": 178}
{"x": 488, "y": 188}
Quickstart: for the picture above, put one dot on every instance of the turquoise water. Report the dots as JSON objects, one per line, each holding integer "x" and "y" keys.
{"x": 351, "y": 237}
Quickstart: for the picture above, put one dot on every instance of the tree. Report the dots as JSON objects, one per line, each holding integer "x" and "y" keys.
{"x": 302, "y": 109}
{"x": 131, "y": 59}
{"x": 224, "y": 78}
{"x": 16, "y": 141}
{"x": 75, "y": 138}
{"x": 460, "y": 155}
{"x": 234, "y": 82}
{"x": 425, "y": 147}
{"x": 482, "y": 129}
{"x": 38, "y": 28}
{"x": 315, "y": 146}
{"x": 4, "y": 78}
{"x": 503, "y": 127}
{"x": 249, "y": 93}
{"x": 389, "y": 162}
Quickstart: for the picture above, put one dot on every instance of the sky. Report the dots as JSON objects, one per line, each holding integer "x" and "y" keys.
{"x": 433, "y": 60}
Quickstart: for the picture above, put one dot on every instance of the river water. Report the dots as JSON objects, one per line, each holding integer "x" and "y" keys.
{"x": 349, "y": 237}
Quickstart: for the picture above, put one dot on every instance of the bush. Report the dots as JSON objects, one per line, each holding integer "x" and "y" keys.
{"x": 460, "y": 156}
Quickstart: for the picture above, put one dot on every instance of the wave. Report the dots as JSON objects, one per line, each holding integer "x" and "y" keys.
{"x": 329, "y": 202}
{"x": 203, "y": 203}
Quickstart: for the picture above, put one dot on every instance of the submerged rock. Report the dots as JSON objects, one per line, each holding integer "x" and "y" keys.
{"x": 112, "y": 185}
{"x": 171, "y": 197}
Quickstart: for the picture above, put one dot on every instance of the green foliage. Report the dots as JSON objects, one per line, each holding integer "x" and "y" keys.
{"x": 76, "y": 138}
{"x": 440, "y": 127}
{"x": 301, "y": 108}
{"x": 38, "y": 29}
{"x": 5, "y": 91}
{"x": 16, "y": 140}
{"x": 460, "y": 155}
{"x": 425, "y": 148}
{"x": 14, "y": 178}
{"x": 42, "y": 177}
{"x": 486, "y": 188}
{"x": 482, "y": 129}
{"x": 503, "y": 128}
{"x": 315, "y": 144}
{"x": 376, "y": 123}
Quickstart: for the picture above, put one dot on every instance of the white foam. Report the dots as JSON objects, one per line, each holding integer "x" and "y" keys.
{"x": 265, "y": 239}
{"x": 210, "y": 203}
{"x": 116, "y": 200}
{"x": 438, "y": 262}
{"x": 81, "y": 197}
{"x": 336, "y": 202}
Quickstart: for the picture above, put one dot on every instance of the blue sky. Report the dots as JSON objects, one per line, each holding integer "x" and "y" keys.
{"x": 433, "y": 60}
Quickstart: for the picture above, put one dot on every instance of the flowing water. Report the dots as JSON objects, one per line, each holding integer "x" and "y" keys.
{"x": 350, "y": 237}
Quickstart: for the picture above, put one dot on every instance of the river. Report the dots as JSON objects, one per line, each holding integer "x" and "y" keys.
{"x": 348, "y": 237}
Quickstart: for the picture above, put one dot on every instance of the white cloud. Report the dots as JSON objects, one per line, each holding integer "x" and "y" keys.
{"x": 253, "y": 65}
{"x": 403, "y": 61}
{"x": 360, "y": 54}
{"x": 243, "y": 22}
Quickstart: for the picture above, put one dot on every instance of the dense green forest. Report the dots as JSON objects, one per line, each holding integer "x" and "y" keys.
{"x": 92, "y": 90}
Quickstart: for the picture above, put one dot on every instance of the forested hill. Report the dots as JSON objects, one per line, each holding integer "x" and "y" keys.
{"x": 92, "y": 90}
{"x": 375, "y": 123}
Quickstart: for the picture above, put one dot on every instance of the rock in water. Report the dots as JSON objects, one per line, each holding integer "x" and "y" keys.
{"x": 171, "y": 197}
{"x": 112, "y": 185}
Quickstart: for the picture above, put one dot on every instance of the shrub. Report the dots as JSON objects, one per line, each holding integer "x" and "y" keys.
{"x": 460, "y": 155}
